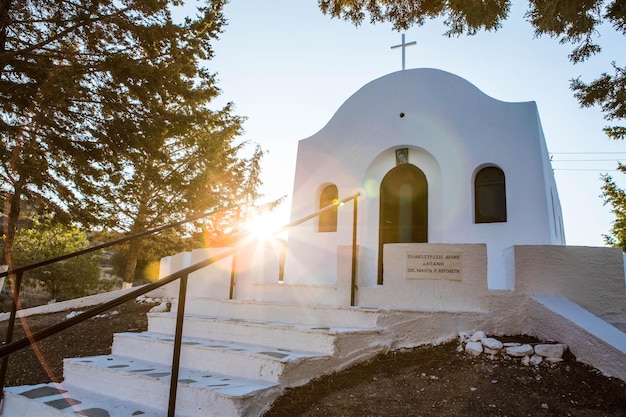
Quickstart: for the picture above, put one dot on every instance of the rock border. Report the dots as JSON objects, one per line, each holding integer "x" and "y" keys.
{"x": 477, "y": 344}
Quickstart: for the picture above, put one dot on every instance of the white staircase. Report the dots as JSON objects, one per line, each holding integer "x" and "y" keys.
{"x": 236, "y": 358}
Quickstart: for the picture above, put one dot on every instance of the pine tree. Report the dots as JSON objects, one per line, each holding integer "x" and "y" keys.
{"x": 616, "y": 197}
{"x": 101, "y": 99}
{"x": 572, "y": 22}
{"x": 195, "y": 172}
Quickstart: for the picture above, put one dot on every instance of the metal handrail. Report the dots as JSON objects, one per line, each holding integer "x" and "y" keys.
{"x": 115, "y": 242}
{"x": 19, "y": 273}
{"x": 183, "y": 275}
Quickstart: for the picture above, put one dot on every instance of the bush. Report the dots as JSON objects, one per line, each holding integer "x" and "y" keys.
{"x": 71, "y": 278}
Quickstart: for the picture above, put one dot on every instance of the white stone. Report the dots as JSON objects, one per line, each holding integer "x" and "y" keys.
{"x": 491, "y": 343}
{"x": 464, "y": 337}
{"x": 526, "y": 360}
{"x": 536, "y": 360}
{"x": 519, "y": 351}
{"x": 491, "y": 351}
{"x": 161, "y": 308}
{"x": 550, "y": 351}
{"x": 73, "y": 314}
{"x": 474, "y": 348}
{"x": 478, "y": 336}
{"x": 511, "y": 344}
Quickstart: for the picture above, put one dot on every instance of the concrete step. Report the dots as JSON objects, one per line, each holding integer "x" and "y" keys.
{"x": 359, "y": 317}
{"x": 61, "y": 400}
{"x": 236, "y": 359}
{"x": 234, "y": 362}
{"x": 112, "y": 386}
{"x": 305, "y": 337}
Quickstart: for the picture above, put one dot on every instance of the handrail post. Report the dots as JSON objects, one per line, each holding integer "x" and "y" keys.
{"x": 178, "y": 338}
{"x": 354, "y": 254}
{"x": 9, "y": 334}
{"x": 233, "y": 266}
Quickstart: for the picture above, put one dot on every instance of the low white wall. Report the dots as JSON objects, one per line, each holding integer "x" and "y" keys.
{"x": 462, "y": 291}
{"x": 75, "y": 304}
{"x": 589, "y": 338}
{"x": 212, "y": 281}
{"x": 168, "y": 266}
{"x": 253, "y": 265}
{"x": 259, "y": 263}
{"x": 592, "y": 277}
{"x": 3, "y": 268}
{"x": 311, "y": 257}
{"x": 252, "y": 286}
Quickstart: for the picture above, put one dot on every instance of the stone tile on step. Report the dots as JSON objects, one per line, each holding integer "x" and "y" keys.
{"x": 237, "y": 359}
{"x": 200, "y": 393}
{"x": 55, "y": 399}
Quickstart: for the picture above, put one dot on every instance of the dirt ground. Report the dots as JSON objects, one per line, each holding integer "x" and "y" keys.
{"x": 439, "y": 381}
{"x": 93, "y": 337}
{"x": 426, "y": 381}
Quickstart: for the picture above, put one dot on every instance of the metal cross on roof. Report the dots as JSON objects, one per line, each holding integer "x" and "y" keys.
{"x": 404, "y": 45}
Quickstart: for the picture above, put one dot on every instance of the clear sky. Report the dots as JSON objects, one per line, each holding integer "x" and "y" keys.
{"x": 288, "y": 68}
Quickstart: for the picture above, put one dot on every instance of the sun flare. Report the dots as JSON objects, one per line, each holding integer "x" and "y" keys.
{"x": 264, "y": 226}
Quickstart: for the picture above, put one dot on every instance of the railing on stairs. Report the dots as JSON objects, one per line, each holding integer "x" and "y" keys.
{"x": 9, "y": 347}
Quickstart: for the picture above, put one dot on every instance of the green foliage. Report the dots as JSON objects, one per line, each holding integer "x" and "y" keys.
{"x": 462, "y": 16}
{"x": 71, "y": 278}
{"x": 572, "y": 22}
{"x": 616, "y": 197}
{"x": 608, "y": 92}
{"x": 105, "y": 116}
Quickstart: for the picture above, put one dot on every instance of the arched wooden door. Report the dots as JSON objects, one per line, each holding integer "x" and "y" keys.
{"x": 403, "y": 209}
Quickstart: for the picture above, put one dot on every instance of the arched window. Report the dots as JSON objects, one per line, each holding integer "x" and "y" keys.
{"x": 489, "y": 196}
{"x": 328, "y": 219}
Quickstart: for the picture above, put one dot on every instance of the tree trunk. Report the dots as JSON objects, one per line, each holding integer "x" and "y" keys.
{"x": 5, "y": 6}
{"x": 131, "y": 263}
{"x": 11, "y": 216}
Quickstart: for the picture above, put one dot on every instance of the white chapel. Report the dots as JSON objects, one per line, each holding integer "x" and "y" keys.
{"x": 435, "y": 160}
{"x": 425, "y": 211}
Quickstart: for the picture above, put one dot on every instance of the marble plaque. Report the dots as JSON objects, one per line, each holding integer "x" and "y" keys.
{"x": 434, "y": 265}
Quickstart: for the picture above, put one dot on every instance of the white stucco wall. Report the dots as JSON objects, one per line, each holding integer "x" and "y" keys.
{"x": 591, "y": 277}
{"x": 452, "y": 130}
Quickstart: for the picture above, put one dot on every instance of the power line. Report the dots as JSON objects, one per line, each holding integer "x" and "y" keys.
{"x": 585, "y": 169}
{"x": 587, "y": 153}
{"x": 584, "y": 160}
